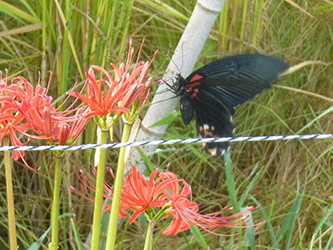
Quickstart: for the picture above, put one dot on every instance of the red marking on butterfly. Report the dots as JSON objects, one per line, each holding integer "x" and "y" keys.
{"x": 196, "y": 78}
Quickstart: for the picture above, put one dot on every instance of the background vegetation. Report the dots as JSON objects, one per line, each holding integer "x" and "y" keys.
{"x": 291, "y": 180}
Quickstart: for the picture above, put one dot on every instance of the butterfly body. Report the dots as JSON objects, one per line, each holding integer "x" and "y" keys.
{"x": 214, "y": 91}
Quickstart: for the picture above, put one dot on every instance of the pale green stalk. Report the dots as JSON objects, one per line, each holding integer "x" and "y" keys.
{"x": 125, "y": 27}
{"x": 242, "y": 30}
{"x": 44, "y": 60}
{"x": 224, "y": 23}
{"x": 99, "y": 192}
{"x": 231, "y": 188}
{"x": 257, "y": 19}
{"x": 113, "y": 223}
{"x": 10, "y": 198}
{"x": 149, "y": 235}
{"x": 55, "y": 205}
{"x": 17, "y": 12}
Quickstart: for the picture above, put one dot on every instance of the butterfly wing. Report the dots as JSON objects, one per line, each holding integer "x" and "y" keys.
{"x": 218, "y": 87}
{"x": 237, "y": 79}
{"x": 213, "y": 119}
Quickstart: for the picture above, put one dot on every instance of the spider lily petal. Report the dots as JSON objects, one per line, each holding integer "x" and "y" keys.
{"x": 172, "y": 198}
{"x": 107, "y": 95}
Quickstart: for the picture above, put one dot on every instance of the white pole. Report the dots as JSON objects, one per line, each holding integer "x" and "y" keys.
{"x": 185, "y": 56}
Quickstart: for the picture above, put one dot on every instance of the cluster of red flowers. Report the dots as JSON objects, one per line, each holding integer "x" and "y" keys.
{"x": 24, "y": 109}
{"x": 171, "y": 195}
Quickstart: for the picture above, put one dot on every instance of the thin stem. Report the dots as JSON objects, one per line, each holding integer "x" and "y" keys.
{"x": 10, "y": 198}
{"x": 149, "y": 235}
{"x": 99, "y": 193}
{"x": 230, "y": 181}
{"x": 111, "y": 240}
{"x": 55, "y": 205}
{"x": 231, "y": 188}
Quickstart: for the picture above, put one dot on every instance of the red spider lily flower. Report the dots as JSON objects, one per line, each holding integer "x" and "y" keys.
{"x": 56, "y": 127}
{"x": 28, "y": 97}
{"x": 109, "y": 94}
{"x": 70, "y": 131}
{"x": 77, "y": 126}
{"x": 30, "y": 103}
{"x": 172, "y": 196}
{"x": 24, "y": 107}
{"x": 184, "y": 212}
{"x": 48, "y": 123}
{"x": 11, "y": 120}
{"x": 140, "y": 195}
{"x": 138, "y": 86}
{"x": 101, "y": 101}
{"x": 11, "y": 128}
{"x": 143, "y": 198}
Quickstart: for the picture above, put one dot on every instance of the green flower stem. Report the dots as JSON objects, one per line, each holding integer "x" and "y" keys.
{"x": 113, "y": 223}
{"x": 149, "y": 235}
{"x": 55, "y": 205}
{"x": 231, "y": 188}
{"x": 10, "y": 198}
{"x": 161, "y": 213}
{"x": 99, "y": 192}
{"x": 230, "y": 181}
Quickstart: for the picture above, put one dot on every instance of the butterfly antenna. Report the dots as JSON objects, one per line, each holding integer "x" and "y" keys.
{"x": 171, "y": 87}
{"x": 163, "y": 100}
{"x": 178, "y": 69}
{"x": 162, "y": 91}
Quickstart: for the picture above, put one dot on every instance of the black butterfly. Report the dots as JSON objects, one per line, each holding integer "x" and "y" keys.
{"x": 216, "y": 89}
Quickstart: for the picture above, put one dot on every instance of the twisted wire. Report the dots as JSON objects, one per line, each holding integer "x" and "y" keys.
{"x": 165, "y": 142}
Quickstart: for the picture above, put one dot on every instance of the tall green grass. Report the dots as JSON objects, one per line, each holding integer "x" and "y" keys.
{"x": 291, "y": 181}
